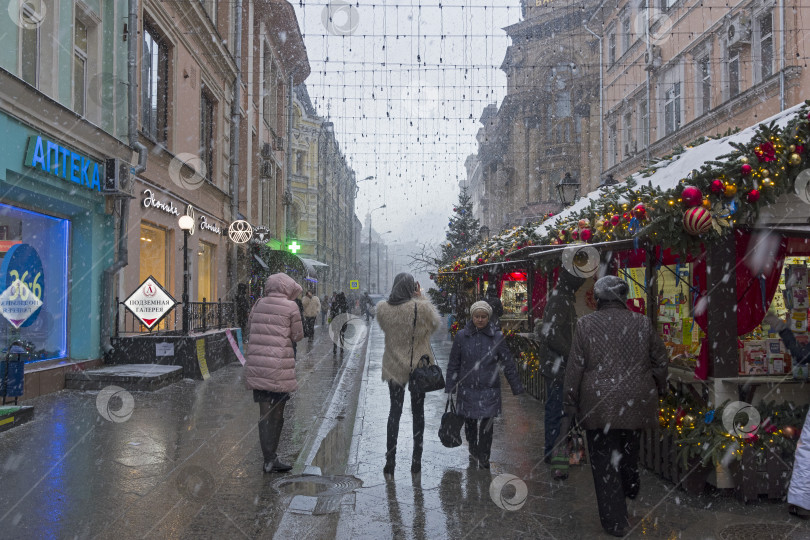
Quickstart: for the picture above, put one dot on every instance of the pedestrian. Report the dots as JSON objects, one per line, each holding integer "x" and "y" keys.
{"x": 495, "y": 303}
{"x": 555, "y": 335}
{"x": 338, "y": 307}
{"x": 616, "y": 372}
{"x": 473, "y": 372}
{"x": 408, "y": 320}
{"x": 799, "y": 490}
{"x": 312, "y": 306}
{"x": 242, "y": 307}
{"x": 275, "y": 325}
{"x": 324, "y": 310}
{"x": 365, "y": 305}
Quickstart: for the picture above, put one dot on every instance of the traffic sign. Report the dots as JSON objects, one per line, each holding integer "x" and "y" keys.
{"x": 354, "y": 284}
{"x": 150, "y": 303}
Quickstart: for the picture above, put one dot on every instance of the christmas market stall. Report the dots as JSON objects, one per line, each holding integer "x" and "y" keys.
{"x": 709, "y": 238}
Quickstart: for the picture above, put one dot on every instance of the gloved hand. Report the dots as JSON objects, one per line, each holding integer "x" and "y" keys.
{"x": 775, "y": 323}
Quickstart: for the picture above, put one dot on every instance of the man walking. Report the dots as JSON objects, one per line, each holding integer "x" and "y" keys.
{"x": 617, "y": 369}
{"x": 556, "y": 333}
{"x": 312, "y": 306}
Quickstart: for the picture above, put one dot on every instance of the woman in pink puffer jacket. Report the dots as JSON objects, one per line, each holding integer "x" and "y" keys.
{"x": 275, "y": 324}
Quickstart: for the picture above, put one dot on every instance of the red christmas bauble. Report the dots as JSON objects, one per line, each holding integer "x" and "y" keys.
{"x": 501, "y": 252}
{"x": 615, "y": 220}
{"x": 745, "y": 169}
{"x": 691, "y": 196}
{"x": 752, "y": 196}
{"x": 575, "y": 235}
{"x": 790, "y": 432}
{"x": 627, "y": 216}
{"x": 640, "y": 211}
{"x": 697, "y": 220}
{"x": 585, "y": 235}
{"x": 718, "y": 186}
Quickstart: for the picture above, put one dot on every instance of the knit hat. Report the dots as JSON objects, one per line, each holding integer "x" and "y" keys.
{"x": 611, "y": 288}
{"x": 481, "y": 306}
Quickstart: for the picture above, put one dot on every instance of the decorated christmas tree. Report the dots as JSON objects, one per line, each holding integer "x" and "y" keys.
{"x": 462, "y": 235}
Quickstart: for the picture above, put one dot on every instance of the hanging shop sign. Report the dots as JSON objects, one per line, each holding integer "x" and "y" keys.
{"x": 22, "y": 282}
{"x": 261, "y": 234}
{"x": 62, "y": 162}
{"x": 205, "y": 226}
{"x": 149, "y": 201}
{"x": 150, "y": 303}
{"x": 240, "y": 231}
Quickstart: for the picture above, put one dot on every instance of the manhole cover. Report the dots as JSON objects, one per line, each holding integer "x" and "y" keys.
{"x": 317, "y": 486}
{"x": 762, "y": 531}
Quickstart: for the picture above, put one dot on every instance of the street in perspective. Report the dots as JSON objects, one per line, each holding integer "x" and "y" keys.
{"x": 459, "y": 269}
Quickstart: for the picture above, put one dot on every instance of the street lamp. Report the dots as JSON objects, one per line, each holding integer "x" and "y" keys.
{"x": 484, "y": 232}
{"x": 567, "y": 190}
{"x": 609, "y": 181}
{"x": 357, "y": 188}
{"x": 378, "y": 260}
{"x": 186, "y": 223}
{"x": 369, "y": 245}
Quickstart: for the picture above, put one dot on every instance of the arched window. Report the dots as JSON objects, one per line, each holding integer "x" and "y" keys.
{"x": 294, "y": 217}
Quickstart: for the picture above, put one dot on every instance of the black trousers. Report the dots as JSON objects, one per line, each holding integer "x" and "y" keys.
{"x": 613, "y": 480}
{"x": 397, "y": 394}
{"x": 271, "y": 420}
{"x": 479, "y": 437}
{"x": 309, "y": 326}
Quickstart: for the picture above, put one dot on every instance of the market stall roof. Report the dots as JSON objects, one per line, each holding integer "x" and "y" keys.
{"x": 669, "y": 173}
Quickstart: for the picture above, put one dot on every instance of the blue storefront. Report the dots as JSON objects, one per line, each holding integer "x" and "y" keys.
{"x": 56, "y": 239}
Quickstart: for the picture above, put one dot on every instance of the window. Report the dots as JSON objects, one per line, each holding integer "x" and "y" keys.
{"x": 766, "y": 45}
{"x": 29, "y": 45}
{"x": 705, "y": 84}
{"x": 207, "y": 108}
{"x": 733, "y": 75}
{"x": 154, "y": 85}
{"x": 206, "y": 273}
{"x": 643, "y": 124}
{"x": 37, "y": 248}
{"x": 629, "y": 144}
{"x": 626, "y": 35}
{"x": 154, "y": 254}
{"x": 299, "y": 162}
{"x": 612, "y": 48}
{"x": 612, "y": 145}
{"x": 269, "y": 88}
{"x": 267, "y": 196}
{"x": 79, "y": 66}
{"x": 672, "y": 108}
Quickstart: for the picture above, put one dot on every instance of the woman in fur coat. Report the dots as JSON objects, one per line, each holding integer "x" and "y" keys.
{"x": 408, "y": 320}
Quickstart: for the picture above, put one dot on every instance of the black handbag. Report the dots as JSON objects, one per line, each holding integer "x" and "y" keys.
{"x": 450, "y": 429}
{"x": 426, "y": 377}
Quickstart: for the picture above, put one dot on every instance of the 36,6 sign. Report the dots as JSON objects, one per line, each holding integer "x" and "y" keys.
{"x": 22, "y": 264}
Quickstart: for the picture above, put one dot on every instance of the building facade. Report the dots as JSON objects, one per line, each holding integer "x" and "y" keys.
{"x": 681, "y": 70}
{"x": 63, "y": 120}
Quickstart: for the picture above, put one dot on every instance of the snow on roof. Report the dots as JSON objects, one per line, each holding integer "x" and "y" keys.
{"x": 669, "y": 173}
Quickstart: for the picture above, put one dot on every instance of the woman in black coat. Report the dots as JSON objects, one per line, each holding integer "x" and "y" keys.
{"x": 339, "y": 305}
{"x": 473, "y": 372}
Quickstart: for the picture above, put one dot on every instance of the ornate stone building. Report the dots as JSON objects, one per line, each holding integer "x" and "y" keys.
{"x": 546, "y": 125}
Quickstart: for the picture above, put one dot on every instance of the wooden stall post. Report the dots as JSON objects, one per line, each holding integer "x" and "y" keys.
{"x": 530, "y": 294}
{"x": 721, "y": 326}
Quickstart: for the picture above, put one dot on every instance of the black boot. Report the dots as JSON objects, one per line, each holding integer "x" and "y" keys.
{"x": 270, "y": 436}
{"x": 390, "y": 463}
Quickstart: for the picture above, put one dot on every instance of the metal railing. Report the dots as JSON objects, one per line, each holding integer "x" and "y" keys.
{"x": 203, "y": 316}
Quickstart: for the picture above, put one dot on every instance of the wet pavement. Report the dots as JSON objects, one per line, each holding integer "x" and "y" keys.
{"x": 187, "y": 464}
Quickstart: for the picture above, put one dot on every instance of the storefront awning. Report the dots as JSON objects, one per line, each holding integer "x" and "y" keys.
{"x": 314, "y": 263}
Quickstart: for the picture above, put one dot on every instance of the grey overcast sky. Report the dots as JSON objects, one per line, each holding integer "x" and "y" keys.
{"x": 405, "y": 83}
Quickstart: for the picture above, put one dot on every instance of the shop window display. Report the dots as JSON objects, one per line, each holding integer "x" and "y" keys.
{"x": 34, "y": 281}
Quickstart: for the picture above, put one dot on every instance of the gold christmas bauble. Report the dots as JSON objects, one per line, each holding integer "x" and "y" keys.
{"x": 730, "y": 190}
{"x": 744, "y": 159}
{"x": 767, "y": 182}
{"x": 707, "y": 203}
{"x": 765, "y": 172}
{"x": 795, "y": 159}
{"x": 689, "y": 419}
{"x": 792, "y": 148}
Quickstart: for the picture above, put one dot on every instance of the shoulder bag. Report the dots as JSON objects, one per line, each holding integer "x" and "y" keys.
{"x": 426, "y": 377}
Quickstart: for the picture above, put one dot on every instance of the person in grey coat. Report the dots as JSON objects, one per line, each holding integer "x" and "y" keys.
{"x": 473, "y": 372}
{"x": 556, "y": 333}
{"x": 616, "y": 372}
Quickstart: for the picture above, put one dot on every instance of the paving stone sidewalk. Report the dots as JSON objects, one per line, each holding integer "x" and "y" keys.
{"x": 449, "y": 500}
